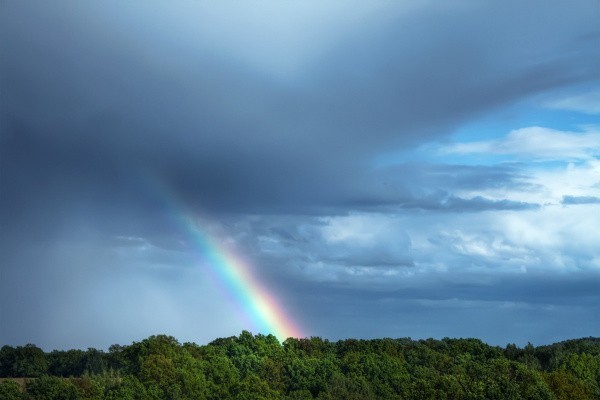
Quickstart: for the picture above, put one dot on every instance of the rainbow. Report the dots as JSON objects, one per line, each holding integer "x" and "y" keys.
{"x": 255, "y": 302}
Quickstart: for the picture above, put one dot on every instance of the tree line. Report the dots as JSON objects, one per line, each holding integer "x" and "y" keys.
{"x": 252, "y": 367}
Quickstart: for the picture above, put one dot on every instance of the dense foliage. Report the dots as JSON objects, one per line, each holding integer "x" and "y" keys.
{"x": 260, "y": 367}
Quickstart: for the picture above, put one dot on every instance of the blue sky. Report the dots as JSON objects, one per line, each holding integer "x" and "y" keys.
{"x": 389, "y": 169}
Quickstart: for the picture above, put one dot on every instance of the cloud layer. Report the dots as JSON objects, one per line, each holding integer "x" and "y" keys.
{"x": 269, "y": 122}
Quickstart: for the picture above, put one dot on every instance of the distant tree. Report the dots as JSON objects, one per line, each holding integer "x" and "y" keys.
{"x": 191, "y": 378}
{"x": 310, "y": 373}
{"x": 348, "y": 388}
{"x": 506, "y": 379}
{"x": 88, "y": 388}
{"x": 299, "y": 395}
{"x": 134, "y": 355}
{"x": 565, "y": 386}
{"x": 116, "y": 357}
{"x": 388, "y": 375}
{"x": 254, "y": 388}
{"x": 67, "y": 363}
{"x": 30, "y": 361}
{"x": 7, "y": 361}
{"x": 271, "y": 370}
{"x": 512, "y": 352}
{"x": 95, "y": 361}
{"x": 584, "y": 367}
{"x": 11, "y": 390}
{"x": 130, "y": 388}
{"x": 222, "y": 376}
{"x": 249, "y": 367}
{"x": 158, "y": 372}
{"x": 51, "y": 388}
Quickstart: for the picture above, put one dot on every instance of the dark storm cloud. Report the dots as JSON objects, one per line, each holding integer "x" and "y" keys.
{"x": 432, "y": 186}
{"x": 477, "y": 203}
{"x": 100, "y": 100}
{"x": 533, "y": 288}
{"x": 106, "y": 100}
{"x": 468, "y": 176}
{"x": 440, "y": 201}
{"x": 523, "y": 307}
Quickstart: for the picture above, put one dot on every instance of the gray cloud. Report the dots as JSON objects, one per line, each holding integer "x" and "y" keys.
{"x": 271, "y": 127}
{"x": 568, "y": 200}
{"x": 524, "y": 307}
{"x": 477, "y": 203}
{"x": 105, "y": 106}
{"x": 432, "y": 187}
{"x": 585, "y": 103}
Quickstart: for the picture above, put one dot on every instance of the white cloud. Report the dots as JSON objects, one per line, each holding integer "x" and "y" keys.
{"x": 537, "y": 143}
{"x": 562, "y": 237}
{"x": 407, "y": 249}
{"x": 365, "y": 240}
{"x": 474, "y": 244}
{"x": 575, "y": 179}
{"x": 485, "y": 246}
{"x": 547, "y": 185}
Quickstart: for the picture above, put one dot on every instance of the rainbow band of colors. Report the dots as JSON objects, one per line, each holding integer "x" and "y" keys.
{"x": 257, "y": 305}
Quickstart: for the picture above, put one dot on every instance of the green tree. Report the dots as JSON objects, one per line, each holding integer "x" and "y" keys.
{"x": 221, "y": 375}
{"x": 511, "y": 380}
{"x": 88, "y": 388}
{"x": 192, "y": 380}
{"x": 159, "y": 374}
{"x": 387, "y": 375}
{"x": 10, "y": 390}
{"x": 95, "y": 361}
{"x": 130, "y": 388}
{"x": 51, "y": 388}
{"x": 249, "y": 367}
{"x": 66, "y": 363}
{"x": 134, "y": 355}
{"x": 585, "y": 367}
{"x": 310, "y": 374}
{"x": 299, "y": 395}
{"x": 254, "y": 388}
{"x": 116, "y": 357}
{"x": 7, "y": 361}
{"x": 348, "y": 388}
{"x": 565, "y": 386}
{"x": 30, "y": 361}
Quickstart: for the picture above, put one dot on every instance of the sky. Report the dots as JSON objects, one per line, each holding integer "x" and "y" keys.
{"x": 382, "y": 169}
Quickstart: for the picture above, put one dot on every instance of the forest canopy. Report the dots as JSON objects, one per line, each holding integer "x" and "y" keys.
{"x": 260, "y": 367}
